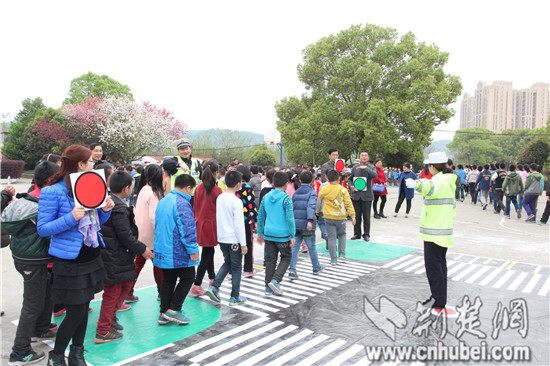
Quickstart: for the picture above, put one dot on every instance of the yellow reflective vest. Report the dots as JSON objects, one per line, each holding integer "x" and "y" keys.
{"x": 439, "y": 209}
{"x": 193, "y": 170}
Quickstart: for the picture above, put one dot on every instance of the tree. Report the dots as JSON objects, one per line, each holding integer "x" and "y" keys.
{"x": 537, "y": 151}
{"x": 124, "y": 128}
{"x": 222, "y": 144}
{"x": 368, "y": 90}
{"x": 475, "y": 145}
{"x": 262, "y": 156}
{"x": 93, "y": 85}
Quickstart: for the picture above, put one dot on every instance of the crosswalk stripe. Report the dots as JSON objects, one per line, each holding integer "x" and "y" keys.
{"x": 251, "y": 347}
{"x": 517, "y": 281}
{"x": 316, "y": 290}
{"x": 247, "y": 309}
{"x": 407, "y": 263}
{"x": 346, "y": 355}
{"x": 221, "y": 336}
{"x": 362, "y": 362}
{"x": 298, "y": 350}
{"x": 250, "y": 303}
{"x": 342, "y": 268}
{"x": 260, "y": 298}
{"x": 477, "y": 274}
{"x": 322, "y": 353}
{"x": 544, "y": 289}
{"x": 328, "y": 277}
{"x": 463, "y": 274}
{"x": 455, "y": 268}
{"x": 420, "y": 271}
{"x": 503, "y": 279}
{"x": 290, "y": 293}
{"x": 315, "y": 281}
{"x": 412, "y": 268}
{"x": 289, "y": 342}
{"x": 334, "y": 273}
{"x": 288, "y": 298}
{"x": 491, "y": 275}
{"x": 249, "y": 289}
{"x": 398, "y": 260}
{"x": 532, "y": 283}
{"x": 350, "y": 263}
{"x": 228, "y": 344}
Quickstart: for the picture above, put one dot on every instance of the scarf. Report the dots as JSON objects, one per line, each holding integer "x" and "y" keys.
{"x": 89, "y": 227}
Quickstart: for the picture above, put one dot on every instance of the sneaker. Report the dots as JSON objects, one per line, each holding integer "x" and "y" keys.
{"x": 249, "y": 274}
{"x": 59, "y": 313}
{"x": 484, "y": 206}
{"x": 448, "y": 311}
{"x": 116, "y": 325}
{"x": 506, "y": 216}
{"x": 49, "y": 334}
{"x": 213, "y": 294}
{"x": 395, "y": 214}
{"x": 210, "y": 283}
{"x": 52, "y": 326}
{"x": 406, "y": 216}
{"x": 28, "y": 359}
{"x": 496, "y": 212}
{"x": 540, "y": 222}
{"x": 124, "y": 307}
{"x": 268, "y": 291}
{"x": 176, "y": 316}
{"x": 162, "y": 320}
{"x": 519, "y": 214}
{"x": 238, "y": 301}
{"x": 341, "y": 256}
{"x": 376, "y": 216}
{"x": 322, "y": 267}
{"x": 334, "y": 262}
{"x": 110, "y": 336}
{"x": 130, "y": 299}
{"x": 276, "y": 287}
{"x": 198, "y": 290}
{"x": 293, "y": 275}
{"x": 530, "y": 218}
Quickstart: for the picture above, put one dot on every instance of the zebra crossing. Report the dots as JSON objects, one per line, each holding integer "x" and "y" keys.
{"x": 271, "y": 343}
{"x": 496, "y": 274}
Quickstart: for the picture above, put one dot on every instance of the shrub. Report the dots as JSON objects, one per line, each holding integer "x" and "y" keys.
{"x": 11, "y": 168}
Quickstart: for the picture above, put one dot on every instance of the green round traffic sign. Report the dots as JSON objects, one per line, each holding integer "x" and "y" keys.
{"x": 359, "y": 184}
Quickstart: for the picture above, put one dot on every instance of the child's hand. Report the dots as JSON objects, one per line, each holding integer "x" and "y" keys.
{"x": 79, "y": 212}
{"x": 353, "y": 220}
{"x": 244, "y": 250}
{"x": 10, "y": 189}
{"x": 109, "y": 204}
{"x": 260, "y": 240}
{"x": 148, "y": 254}
{"x": 292, "y": 241}
{"x": 309, "y": 226}
{"x": 194, "y": 257}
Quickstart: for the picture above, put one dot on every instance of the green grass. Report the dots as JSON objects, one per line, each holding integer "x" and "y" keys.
{"x": 31, "y": 172}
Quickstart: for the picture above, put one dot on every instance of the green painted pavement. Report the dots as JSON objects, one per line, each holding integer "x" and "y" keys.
{"x": 368, "y": 251}
{"x": 141, "y": 331}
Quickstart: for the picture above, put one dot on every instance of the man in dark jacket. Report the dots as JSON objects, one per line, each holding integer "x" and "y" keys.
{"x": 362, "y": 200}
{"x": 484, "y": 184}
{"x": 121, "y": 247}
{"x": 329, "y": 165}
{"x": 31, "y": 258}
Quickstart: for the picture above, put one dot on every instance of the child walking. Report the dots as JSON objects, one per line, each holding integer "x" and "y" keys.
{"x": 121, "y": 246}
{"x": 337, "y": 206}
{"x": 232, "y": 239}
{"x": 276, "y": 224}
{"x": 176, "y": 249}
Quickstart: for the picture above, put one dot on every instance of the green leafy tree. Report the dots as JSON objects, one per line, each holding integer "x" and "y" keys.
{"x": 537, "y": 151}
{"x": 368, "y": 90}
{"x": 263, "y": 156}
{"x": 93, "y": 85}
{"x": 475, "y": 145}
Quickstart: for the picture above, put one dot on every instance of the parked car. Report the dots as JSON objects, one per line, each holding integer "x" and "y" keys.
{"x": 145, "y": 160}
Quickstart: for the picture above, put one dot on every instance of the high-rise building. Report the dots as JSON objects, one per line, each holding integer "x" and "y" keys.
{"x": 498, "y": 107}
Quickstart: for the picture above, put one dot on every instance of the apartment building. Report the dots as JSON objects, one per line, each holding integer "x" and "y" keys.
{"x": 499, "y": 107}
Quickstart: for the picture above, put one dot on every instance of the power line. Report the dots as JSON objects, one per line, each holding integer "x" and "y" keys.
{"x": 495, "y": 134}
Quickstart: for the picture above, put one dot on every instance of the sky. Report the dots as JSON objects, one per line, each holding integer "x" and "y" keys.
{"x": 224, "y": 64}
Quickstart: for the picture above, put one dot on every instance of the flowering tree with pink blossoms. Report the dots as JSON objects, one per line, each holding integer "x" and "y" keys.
{"x": 124, "y": 128}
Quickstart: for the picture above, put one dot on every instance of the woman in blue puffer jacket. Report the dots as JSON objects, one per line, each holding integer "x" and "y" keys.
{"x": 75, "y": 245}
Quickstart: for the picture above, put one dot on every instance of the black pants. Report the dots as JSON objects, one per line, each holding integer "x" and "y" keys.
{"x": 249, "y": 256}
{"x": 36, "y": 311}
{"x": 362, "y": 213}
{"x": 400, "y": 202}
{"x": 546, "y": 213}
{"x": 73, "y": 326}
{"x": 206, "y": 265}
{"x": 499, "y": 199}
{"x": 435, "y": 262}
{"x": 473, "y": 192}
{"x": 272, "y": 270}
{"x": 172, "y": 296}
{"x": 382, "y": 204}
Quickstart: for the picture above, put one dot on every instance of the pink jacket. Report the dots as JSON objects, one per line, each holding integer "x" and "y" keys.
{"x": 146, "y": 206}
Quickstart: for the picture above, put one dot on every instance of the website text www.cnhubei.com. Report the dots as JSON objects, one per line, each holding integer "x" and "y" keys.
{"x": 441, "y": 352}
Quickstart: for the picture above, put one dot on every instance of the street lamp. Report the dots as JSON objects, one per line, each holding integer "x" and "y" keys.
{"x": 280, "y": 146}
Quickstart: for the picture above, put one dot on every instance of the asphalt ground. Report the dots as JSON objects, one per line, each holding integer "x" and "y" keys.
{"x": 477, "y": 233}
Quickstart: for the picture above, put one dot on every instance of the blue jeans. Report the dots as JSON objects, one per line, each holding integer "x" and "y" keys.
{"x": 232, "y": 260}
{"x": 520, "y": 201}
{"x": 512, "y": 199}
{"x": 311, "y": 248}
{"x": 529, "y": 204}
{"x": 322, "y": 226}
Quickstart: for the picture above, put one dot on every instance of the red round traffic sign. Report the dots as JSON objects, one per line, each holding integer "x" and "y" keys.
{"x": 90, "y": 189}
{"x": 339, "y": 165}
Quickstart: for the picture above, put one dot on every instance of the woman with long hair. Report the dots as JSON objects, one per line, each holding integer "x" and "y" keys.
{"x": 204, "y": 210}
{"x": 150, "y": 192}
{"x": 380, "y": 179}
{"x": 75, "y": 245}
